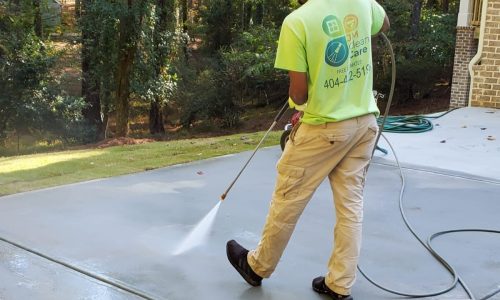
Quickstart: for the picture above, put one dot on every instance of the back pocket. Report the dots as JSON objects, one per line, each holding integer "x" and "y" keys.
{"x": 333, "y": 138}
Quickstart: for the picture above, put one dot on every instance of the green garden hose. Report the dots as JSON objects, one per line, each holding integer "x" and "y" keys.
{"x": 409, "y": 124}
{"x": 416, "y": 124}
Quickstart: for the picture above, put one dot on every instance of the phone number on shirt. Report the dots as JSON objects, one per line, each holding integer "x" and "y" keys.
{"x": 349, "y": 76}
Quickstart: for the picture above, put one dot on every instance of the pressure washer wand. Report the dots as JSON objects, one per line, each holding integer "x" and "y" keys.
{"x": 276, "y": 119}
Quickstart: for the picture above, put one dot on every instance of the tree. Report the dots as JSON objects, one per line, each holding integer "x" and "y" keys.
{"x": 165, "y": 24}
{"x": 219, "y": 24}
{"x": 415, "y": 18}
{"x": 423, "y": 36}
{"x": 30, "y": 101}
{"x": 129, "y": 34}
{"x": 78, "y": 8}
{"x": 443, "y": 5}
{"x": 38, "y": 18}
{"x": 90, "y": 82}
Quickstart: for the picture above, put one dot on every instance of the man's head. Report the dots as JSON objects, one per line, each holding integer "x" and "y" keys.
{"x": 302, "y": 1}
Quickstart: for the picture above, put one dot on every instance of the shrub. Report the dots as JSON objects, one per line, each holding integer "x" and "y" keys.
{"x": 249, "y": 66}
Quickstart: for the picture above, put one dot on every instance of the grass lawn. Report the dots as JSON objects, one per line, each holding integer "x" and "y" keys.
{"x": 30, "y": 172}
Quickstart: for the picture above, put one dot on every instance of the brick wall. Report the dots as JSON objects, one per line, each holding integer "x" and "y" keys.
{"x": 465, "y": 49}
{"x": 486, "y": 84}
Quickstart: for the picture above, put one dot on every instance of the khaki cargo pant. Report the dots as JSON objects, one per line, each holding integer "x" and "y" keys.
{"x": 341, "y": 151}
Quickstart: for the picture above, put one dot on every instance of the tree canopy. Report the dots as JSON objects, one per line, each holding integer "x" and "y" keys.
{"x": 195, "y": 59}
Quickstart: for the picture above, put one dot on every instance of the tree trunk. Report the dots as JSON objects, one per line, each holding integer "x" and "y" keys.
{"x": 105, "y": 119}
{"x": 184, "y": 7}
{"x": 248, "y": 15}
{"x": 78, "y": 9}
{"x": 90, "y": 84}
{"x": 445, "y": 5}
{"x": 127, "y": 45}
{"x": 123, "y": 90}
{"x": 259, "y": 13}
{"x": 38, "y": 18}
{"x": 184, "y": 27}
{"x": 156, "y": 118}
{"x": 431, "y": 4}
{"x": 155, "y": 115}
{"x": 415, "y": 19}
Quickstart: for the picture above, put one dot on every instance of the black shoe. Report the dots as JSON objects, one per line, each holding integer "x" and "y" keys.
{"x": 237, "y": 256}
{"x": 319, "y": 286}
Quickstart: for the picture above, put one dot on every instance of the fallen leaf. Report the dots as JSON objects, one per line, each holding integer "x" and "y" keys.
{"x": 443, "y": 141}
{"x": 491, "y": 138}
{"x": 200, "y": 173}
{"x": 465, "y": 126}
{"x": 490, "y": 112}
{"x": 483, "y": 128}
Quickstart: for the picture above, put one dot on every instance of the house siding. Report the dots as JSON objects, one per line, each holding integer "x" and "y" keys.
{"x": 486, "y": 83}
{"x": 465, "y": 49}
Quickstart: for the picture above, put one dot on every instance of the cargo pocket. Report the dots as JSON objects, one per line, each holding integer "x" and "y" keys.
{"x": 373, "y": 130}
{"x": 289, "y": 178}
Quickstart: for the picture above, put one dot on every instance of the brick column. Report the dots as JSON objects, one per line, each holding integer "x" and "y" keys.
{"x": 465, "y": 49}
{"x": 486, "y": 85}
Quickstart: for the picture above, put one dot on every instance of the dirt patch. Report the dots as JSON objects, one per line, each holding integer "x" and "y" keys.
{"x": 420, "y": 107}
{"x": 122, "y": 141}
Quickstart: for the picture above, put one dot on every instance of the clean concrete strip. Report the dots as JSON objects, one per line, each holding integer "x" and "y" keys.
{"x": 111, "y": 282}
{"x": 441, "y": 172}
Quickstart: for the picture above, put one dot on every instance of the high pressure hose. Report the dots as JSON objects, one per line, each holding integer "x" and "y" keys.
{"x": 427, "y": 245}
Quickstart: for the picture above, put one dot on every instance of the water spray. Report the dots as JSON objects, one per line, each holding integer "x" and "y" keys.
{"x": 200, "y": 232}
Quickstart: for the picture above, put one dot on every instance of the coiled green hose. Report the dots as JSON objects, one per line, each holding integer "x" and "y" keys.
{"x": 409, "y": 124}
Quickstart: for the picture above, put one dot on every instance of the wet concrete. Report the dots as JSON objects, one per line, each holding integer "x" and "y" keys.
{"x": 27, "y": 276}
{"x": 125, "y": 229}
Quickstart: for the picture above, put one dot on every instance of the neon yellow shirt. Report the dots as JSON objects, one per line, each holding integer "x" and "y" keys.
{"x": 331, "y": 41}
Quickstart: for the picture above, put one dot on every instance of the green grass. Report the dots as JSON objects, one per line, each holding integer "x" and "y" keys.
{"x": 30, "y": 172}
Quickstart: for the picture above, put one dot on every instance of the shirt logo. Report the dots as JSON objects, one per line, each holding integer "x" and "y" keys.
{"x": 351, "y": 27}
{"x": 337, "y": 50}
{"x": 332, "y": 26}
{"x": 336, "y": 53}
{"x": 350, "y": 23}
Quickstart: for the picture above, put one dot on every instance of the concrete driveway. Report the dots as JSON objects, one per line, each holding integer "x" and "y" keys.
{"x": 114, "y": 238}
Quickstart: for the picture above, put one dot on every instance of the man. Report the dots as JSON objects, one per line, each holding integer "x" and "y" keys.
{"x": 325, "y": 45}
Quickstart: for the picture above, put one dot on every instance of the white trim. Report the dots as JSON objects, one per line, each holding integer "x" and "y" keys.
{"x": 464, "y": 13}
{"x": 477, "y": 57}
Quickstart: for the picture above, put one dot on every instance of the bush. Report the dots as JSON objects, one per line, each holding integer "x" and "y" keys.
{"x": 421, "y": 61}
{"x": 31, "y": 101}
{"x": 210, "y": 100}
{"x": 249, "y": 66}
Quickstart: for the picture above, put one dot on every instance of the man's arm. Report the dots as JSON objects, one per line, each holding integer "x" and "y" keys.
{"x": 387, "y": 24}
{"x": 298, "y": 87}
{"x": 380, "y": 20}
